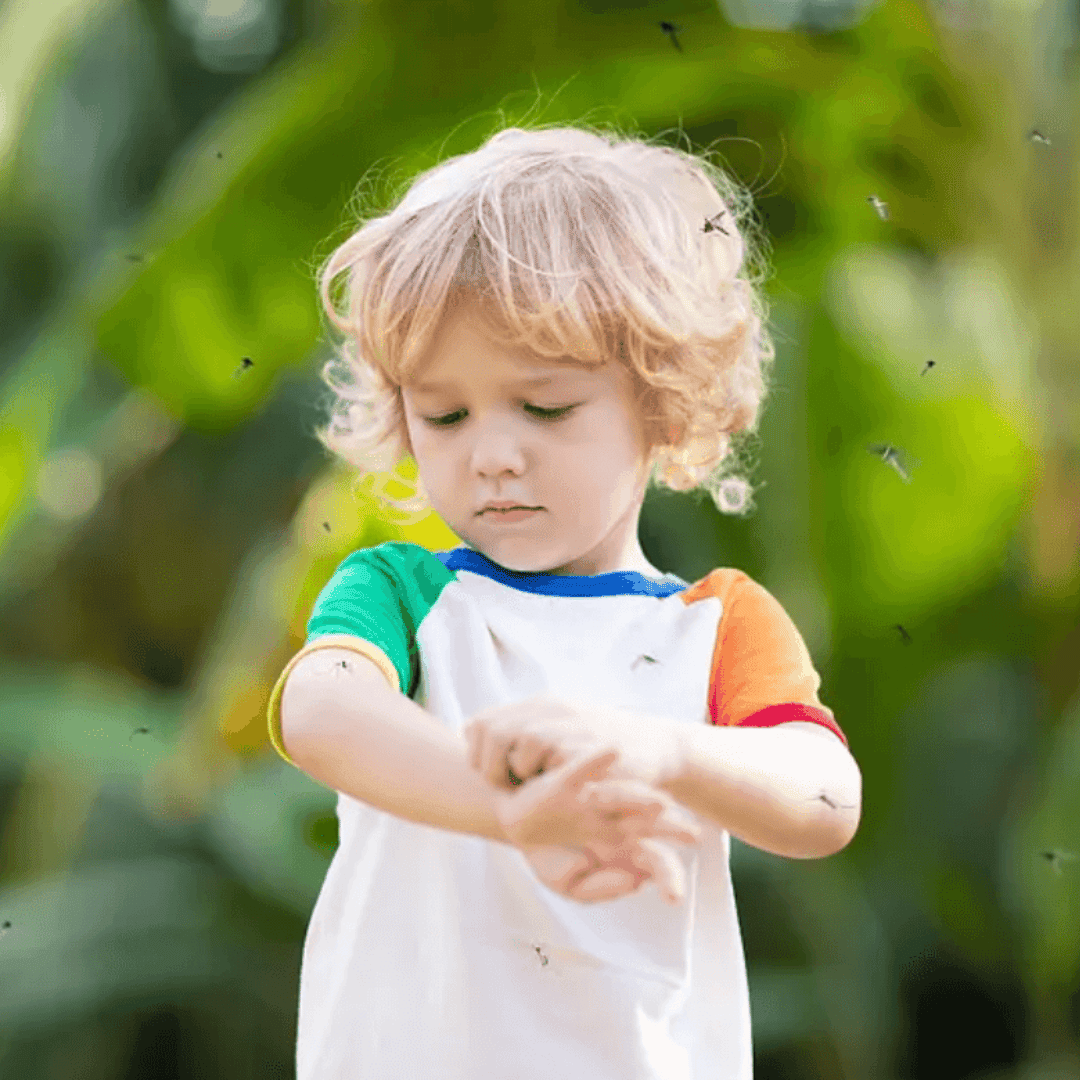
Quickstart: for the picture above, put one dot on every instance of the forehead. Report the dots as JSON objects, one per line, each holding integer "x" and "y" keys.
{"x": 427, "y": 386}
{"x": 463, "y": 351}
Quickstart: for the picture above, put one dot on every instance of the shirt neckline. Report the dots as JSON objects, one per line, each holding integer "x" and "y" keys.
{"x": 612, "y": 583}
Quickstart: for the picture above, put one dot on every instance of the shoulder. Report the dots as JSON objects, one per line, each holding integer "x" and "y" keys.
{"x": 724, "y": 582}
{"x": 393, "y": 566}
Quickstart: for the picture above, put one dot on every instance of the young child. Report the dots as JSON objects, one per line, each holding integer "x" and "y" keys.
{"x": 551, "y": 323}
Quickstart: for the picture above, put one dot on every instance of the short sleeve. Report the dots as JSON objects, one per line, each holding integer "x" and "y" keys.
{"x": 762, "y": 674}
{"x": 373, "y": 604}
{"x": 366, "y": 598}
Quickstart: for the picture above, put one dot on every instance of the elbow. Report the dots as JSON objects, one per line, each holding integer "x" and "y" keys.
{"x": 297, "y": 731}
{"x": 833, "y": 837}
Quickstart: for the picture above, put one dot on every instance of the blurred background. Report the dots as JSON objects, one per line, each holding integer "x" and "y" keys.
{"x": 171, "y": 173}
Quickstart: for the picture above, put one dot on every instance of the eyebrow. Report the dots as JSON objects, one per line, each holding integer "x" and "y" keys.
{"x": 535, "y": 380}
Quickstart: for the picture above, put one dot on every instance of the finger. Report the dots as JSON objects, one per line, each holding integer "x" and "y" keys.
{"x": 526, "y": 756}
{"x": 666, "y": 867}
{"x": 676, "y": 823}
{"x": 493, "y": 760}
{"x": 644, "y": 811}
{"x": 594, "y": 765}
{"x": 472, "y": 738}
{"x": 561, "y": 868}
{"x": 665, "y": 816}
{"x": 607, "y": 884}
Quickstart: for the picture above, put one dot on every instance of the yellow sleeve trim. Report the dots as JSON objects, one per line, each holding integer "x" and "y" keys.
{"x": 326, "y": 641}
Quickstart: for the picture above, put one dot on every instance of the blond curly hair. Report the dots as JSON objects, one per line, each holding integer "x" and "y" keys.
{"x": 580, "y": 243}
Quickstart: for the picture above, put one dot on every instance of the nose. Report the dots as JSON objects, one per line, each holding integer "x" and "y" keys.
{"x": 497, "y": 448}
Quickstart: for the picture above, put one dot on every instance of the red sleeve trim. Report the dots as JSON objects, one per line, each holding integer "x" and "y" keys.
{"x": 783, "y": 714}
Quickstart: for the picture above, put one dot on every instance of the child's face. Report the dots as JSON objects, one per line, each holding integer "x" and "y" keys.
{"x": 587, "y": 469}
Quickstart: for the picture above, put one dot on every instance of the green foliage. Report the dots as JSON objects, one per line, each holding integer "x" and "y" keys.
{"x": 968, "y": 769}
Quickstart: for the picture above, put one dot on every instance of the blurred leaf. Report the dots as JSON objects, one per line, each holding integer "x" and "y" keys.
{"x": 786, "y": 1007}
{"x": 263, "y": 825}
{"x": 1044, "y": 904}
{"x": 87, "y": 717}
{"x": 116, "y": 933}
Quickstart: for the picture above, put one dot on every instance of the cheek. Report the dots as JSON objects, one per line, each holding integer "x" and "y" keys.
{"x": 421, "y": 442}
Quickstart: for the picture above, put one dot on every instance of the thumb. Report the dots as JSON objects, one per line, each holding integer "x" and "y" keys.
{"x": 580, "y": 770}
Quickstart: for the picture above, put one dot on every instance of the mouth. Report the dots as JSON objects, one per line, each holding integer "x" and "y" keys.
{"x": 510, "y": 513}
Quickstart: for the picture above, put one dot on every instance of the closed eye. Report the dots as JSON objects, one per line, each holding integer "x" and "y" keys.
{"x": 541, "y": 414}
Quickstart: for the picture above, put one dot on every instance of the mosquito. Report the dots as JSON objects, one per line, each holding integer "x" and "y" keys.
{"x": 5, "y": 927}
{"x": 647, "y": 659}
{"x": 543, "y": 958}
{"x": 906, "y": 636}
{"x": 1055, "y": 858}
{"x": 929, "y": 365}
{"x": 891, "y": 456}
{"x": 245, "y": 363}
{"x": 712, "y": 226}
{"x": 1035, "y": 135}
{"x": 835, "y": 806}
{"x": 139, "y": 731}
{"x": 671, "y": 30}
{"x": 882, "y": 208}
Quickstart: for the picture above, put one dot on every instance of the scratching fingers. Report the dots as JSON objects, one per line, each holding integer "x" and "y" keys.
{"x": 609, "y": 883}
{"x": 642, "y": 810}
{"x": 665, "y": 868}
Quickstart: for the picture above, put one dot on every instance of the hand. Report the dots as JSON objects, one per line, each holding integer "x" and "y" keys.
{"x": 530, "y": 736}
{"x": 567, "y": 808}
{"x": 593, "y": 874}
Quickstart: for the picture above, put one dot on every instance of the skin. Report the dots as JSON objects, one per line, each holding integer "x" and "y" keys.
{"x": 587, "y": 469}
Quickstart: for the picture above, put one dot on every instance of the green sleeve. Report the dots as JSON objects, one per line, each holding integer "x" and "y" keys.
{"x": 382, "y": 594}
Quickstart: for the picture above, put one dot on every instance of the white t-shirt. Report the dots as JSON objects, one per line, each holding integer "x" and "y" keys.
{"x": 436, "y": 955}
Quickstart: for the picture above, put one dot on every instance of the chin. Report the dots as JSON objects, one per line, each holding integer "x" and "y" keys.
{"x": 520, "y": 563}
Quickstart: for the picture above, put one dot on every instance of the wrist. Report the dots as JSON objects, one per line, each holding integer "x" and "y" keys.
{"x": 496, "y": 806}
{"x": 674, "y": 763}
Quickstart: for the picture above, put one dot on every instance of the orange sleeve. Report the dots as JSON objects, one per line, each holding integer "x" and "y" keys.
{"x": 762, "y": 673}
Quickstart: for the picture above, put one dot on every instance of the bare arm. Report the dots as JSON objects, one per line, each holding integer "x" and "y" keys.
{"x": 792, "y": 790}
{"x": 347, "y": 728}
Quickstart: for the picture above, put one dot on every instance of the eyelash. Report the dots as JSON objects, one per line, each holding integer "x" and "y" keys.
{"x": 547, "y": 415}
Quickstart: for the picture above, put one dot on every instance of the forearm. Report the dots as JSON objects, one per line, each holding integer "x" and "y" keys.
{"x": 766, "y": 787}
{"x": 382, "y": 748}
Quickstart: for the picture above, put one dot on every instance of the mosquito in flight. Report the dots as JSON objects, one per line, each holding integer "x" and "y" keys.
{"x": 891, "y": 456}
{"x": 671, "y": 30}
{"x": 1055, "y": 858}
{"x": 882, "y": 208}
